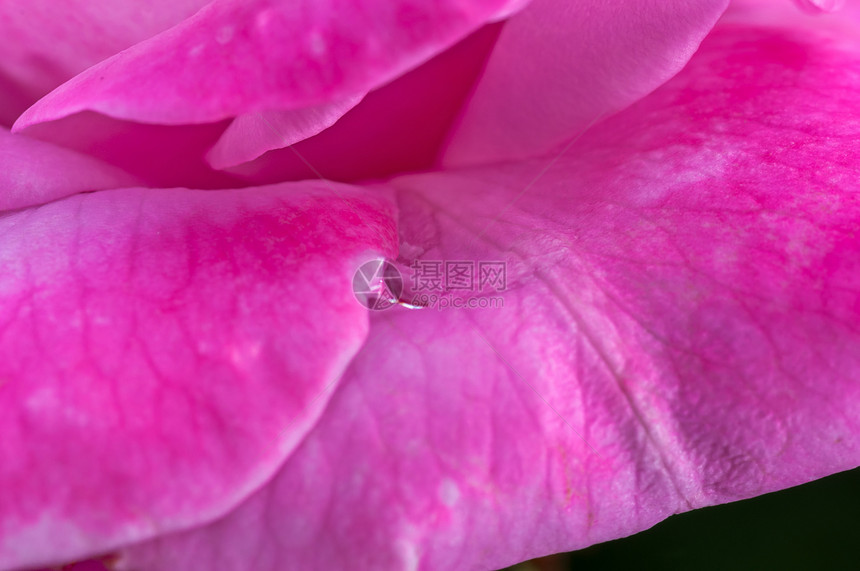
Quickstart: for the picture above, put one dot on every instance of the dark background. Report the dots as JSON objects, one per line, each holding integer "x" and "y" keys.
{"x": 811, "y": 527}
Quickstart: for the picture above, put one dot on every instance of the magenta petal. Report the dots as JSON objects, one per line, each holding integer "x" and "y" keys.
{"x": 251, "y": 135}
{"x": 33, "y": 172}
{"x": 680, "y": 328}
{"x": 47, "y": 42}
{"x": 397, "y": 128}
{"x": 560, "y": 66}
{"x": 160, "y": 155}
{"x": 163, "y": 351}
{"x": 245, "y": 56}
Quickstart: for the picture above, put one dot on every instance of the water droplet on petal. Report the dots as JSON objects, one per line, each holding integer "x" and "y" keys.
{"x": 377, "y": 284}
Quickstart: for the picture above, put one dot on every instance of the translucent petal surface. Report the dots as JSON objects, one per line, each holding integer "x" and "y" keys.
{"x": 560, "y": 66}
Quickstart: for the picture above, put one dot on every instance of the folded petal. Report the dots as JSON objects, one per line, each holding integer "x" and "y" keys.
{"x": 159, "y": 155}
{"x": 397, "y": 128}
{"x": 251, "y": 135}
{"x": 679, "y": 328}
{"x": 33, "y": 172}
{"x": 561, "y": 66}
{"x": 836, "y": 18}
{"x": 163, "y": 351}
{"x": 239, "y": 56}
{"x": 821, "y": 5}
{"x": 45, "y": 43}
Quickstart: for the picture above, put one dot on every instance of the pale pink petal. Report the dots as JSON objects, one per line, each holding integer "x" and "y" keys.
{"x": 821, "y": 5}
{"x": 245, "y": 56}
{"x": 251, "y": 135}
{"x": 840, "y": 21}
{"x": 46, "y": 42}
{"x": 163, "y": 351}
{"x": 680, "y": 328}
{"x": 33, "y": 172}
{"x": 560, "y": 66}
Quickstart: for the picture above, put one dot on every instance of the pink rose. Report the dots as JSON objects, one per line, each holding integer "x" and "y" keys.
{"x": 627, "y": 233}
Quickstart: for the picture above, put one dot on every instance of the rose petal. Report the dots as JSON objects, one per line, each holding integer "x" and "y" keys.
{"x": 397, "y": 128}
{"x": 45, "y": 42}
{"x": 163, "y": 351}
{"x": 33, "y": 172}
{"x": 821, "y": 5}
{"x": 560, "y": 66}
{"x": 251, "y": 135}
{"x": 682, "y": 297}
{"x": 232, "y": 58}
{"x": 160, "y": 155}
{"x": 835, "y": 18}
